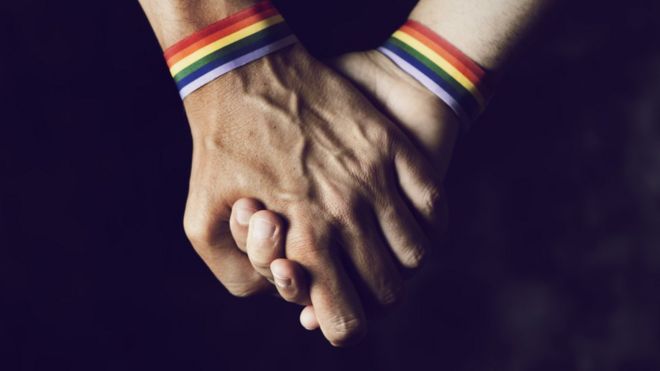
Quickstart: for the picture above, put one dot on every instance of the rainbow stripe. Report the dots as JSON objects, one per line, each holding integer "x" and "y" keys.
{"x": 226, "y": 45}
{"x": 440, "y": 67}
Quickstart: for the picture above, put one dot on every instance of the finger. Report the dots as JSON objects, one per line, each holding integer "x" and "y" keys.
{"x": 241, "y": 212}
{"x": 265, "y": 241}
{"x": 308, "y": 318}
{"x": 208, "y": 232}
{"x": 290, "y": 281}
{"x": 421, "y": 188}
{"x": 335, "y": 300}
{"x": 405, "y": 237}
{"x": 371, "y": 260}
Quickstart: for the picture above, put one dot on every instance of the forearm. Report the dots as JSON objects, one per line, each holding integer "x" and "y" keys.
{"x": 173, "y": 20}
{"x": 486, "y": 31}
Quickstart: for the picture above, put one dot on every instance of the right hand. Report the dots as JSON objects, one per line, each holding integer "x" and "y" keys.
{"x": 289, "y": 132}
{"x": 428, "y": 122}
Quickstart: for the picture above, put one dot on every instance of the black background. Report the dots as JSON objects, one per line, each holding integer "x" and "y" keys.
{"x": 553, "y": 261}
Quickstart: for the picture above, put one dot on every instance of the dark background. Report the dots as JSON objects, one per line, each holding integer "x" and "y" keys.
{"x": 554, "y": 254}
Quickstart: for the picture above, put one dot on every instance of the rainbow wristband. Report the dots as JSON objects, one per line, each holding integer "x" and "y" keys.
{"x": 440, "y": 67}
{"x": 226, "y": 45}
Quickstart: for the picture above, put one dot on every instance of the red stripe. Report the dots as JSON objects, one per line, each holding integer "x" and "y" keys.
{"x": 219, "y": 25}
{"x": 447, "y": 56}
{"x": 435, "y": 38}
{"x": 219, "y": 35}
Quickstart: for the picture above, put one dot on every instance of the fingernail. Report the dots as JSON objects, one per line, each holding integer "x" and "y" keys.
{"x": 282, "y": 282}
{"x": 263, "y": 229}
{"x": 243, "y": 216}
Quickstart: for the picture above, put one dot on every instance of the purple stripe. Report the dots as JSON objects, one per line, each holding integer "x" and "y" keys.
{"x": 428, "y": 83}
{"x": 236, "y": 63}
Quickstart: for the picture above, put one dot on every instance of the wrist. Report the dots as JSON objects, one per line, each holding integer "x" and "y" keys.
{"x": 467, "y": 36}
{"x": 427, "y": 120}
{"x": 226, "y": 100}
{"x": 485, "y": 31}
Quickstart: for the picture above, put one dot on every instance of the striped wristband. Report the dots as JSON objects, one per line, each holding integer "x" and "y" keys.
{"x": 226, "y": 45}
{"x": 440, "y": 67}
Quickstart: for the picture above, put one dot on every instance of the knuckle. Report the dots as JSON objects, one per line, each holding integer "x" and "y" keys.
{"x": 383, "y": 137}
{"x": 343, "y": 208}
{"x": 348, "y": 208}
{"x": 414, "y": 257}
{"x": 349, "y": 212}
{"x": 241, "y": 290}
{"x": 378, "y": 135}
{"x": 372, "y": 165}
{"x": 198, "y": 230}
{"x": 432, "y": 200}
{"x": 345, "y": 331}
{"x": 340, "y": 202}
{"x": 374, "y": 171}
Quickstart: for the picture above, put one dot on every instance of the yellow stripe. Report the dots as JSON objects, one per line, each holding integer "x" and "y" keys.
{"x": 441, "y": 62}
{"x": 221, "y": 43}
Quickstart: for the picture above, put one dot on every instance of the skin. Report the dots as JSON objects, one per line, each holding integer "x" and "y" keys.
{"x": 485, "y": 31}
{"x": 430, "y": 125}
{"x": 346, "y": 188}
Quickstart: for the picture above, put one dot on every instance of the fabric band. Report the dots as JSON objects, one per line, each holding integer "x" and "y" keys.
{"x": 226, "y": 45}
{"x": 440, "y": 67}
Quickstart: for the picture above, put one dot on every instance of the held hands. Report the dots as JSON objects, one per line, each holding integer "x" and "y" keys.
{"x": 328, "y": 184}
{"x": 425, "y": 120}
{"x": 351, "y": 196}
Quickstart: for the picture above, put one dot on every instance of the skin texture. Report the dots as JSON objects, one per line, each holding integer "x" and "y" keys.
{"x": 336, "y": 180}
{"x": 487, "y": 32}
{"x": 341, "y": 189}
{"x": 423, "y": 117}
{"x": 298, "y": 137}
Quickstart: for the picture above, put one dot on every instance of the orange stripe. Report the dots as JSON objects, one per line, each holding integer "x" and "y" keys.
{"x": 467, "y": 72}
{"x": 446, "y": 45}
{"x": 218, "y": 35}
{"x": 214, "y": 27}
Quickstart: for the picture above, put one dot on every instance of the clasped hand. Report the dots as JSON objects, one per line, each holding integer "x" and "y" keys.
{"x": 298, "y": 179}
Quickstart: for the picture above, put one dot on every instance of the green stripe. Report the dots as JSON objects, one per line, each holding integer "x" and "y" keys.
{"x": 435, "y": 68}
{"x": 279, "y": 30}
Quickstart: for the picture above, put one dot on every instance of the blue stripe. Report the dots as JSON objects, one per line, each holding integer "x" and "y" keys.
{"x": 273, "y": 34}
{"x": 465, "y": 99}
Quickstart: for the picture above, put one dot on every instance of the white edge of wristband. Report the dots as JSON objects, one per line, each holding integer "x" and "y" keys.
{"x": 236, "y": 63}
{"x": 429, "y": 84}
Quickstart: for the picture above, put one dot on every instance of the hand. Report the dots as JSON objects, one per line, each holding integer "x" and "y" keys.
{"x": 428, "y": 122}
{"x": 289, "y": 132}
